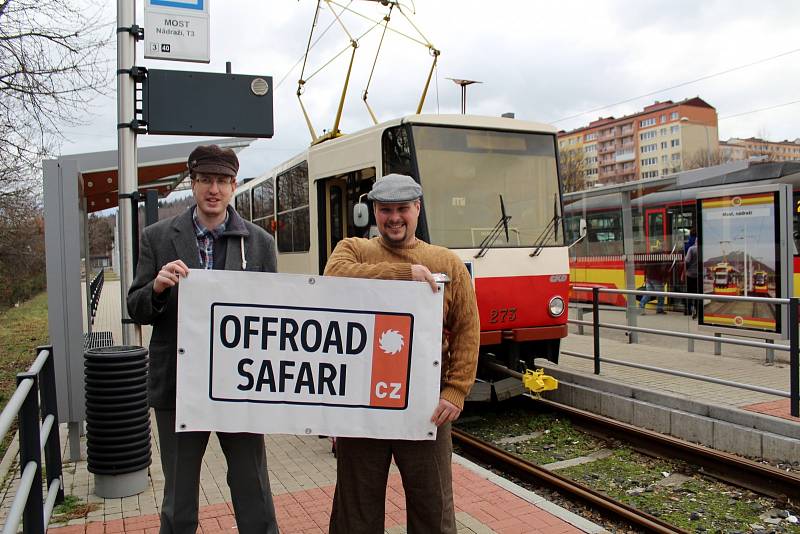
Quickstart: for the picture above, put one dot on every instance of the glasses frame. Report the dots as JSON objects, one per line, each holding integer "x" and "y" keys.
{"x": 220, "y": 179}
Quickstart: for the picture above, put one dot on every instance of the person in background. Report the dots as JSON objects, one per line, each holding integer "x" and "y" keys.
{"x": 210, "y": 235}
{"x": 654, "y": 275}
{"x": 690, "y": 263}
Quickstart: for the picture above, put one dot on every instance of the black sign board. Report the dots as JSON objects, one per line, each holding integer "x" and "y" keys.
{"x": 206, "y": 103}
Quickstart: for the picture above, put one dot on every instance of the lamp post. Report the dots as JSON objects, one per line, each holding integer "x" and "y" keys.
{"x": 463, "y": 84}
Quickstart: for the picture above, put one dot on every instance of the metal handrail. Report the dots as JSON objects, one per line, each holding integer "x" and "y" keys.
{"x": 34, "y": 404}
{"x": 793, "y": 348}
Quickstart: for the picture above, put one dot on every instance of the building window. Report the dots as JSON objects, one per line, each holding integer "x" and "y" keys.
{"x": 649, "y": 148}
{"x": 649, "y": 174}
{"x": 663, "y": 118}
{"x": 647, "y": 122}
{"x": 673, "y": 115}
{"x": 664, "y": 159}
{"x": 674, "y": 129}
{"x": 676, "y": 156}
{"x": 649, "y": 161}
{"x": 647, "y": 135}
{"x": 664, "y": 145}
{"x": 675, "y": 142}
{"x": 294, "y": 229}
{"x": 663, "y": 131}
{"x": 590, "y": 136}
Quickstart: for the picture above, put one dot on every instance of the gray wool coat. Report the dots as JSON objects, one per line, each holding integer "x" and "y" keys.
{"x": 173, "y": 239}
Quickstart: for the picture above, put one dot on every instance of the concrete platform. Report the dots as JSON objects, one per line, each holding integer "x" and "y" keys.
{"x": 302, "y": 474}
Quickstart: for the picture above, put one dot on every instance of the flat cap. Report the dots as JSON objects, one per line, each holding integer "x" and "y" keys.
{"x": 395, "y": 188}
{"x": 213, "y": 159}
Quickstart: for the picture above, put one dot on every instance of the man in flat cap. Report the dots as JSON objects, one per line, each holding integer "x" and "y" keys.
{"x": 210, "y": 235}
{"x": 425, "y": 466}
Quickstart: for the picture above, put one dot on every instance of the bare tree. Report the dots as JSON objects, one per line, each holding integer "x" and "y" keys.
{"x": 22, "y": 263}
{"x": 705, "y": 158}
{"x": 51, "y": 64}
{"x": 572, "y": 166}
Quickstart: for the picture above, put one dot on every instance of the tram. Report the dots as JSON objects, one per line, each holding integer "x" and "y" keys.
{"x": 491, "y": 195}
{"x": 662, "y": 220}
{"x": 726, "y": 279}
{"x": 760, "y": 284}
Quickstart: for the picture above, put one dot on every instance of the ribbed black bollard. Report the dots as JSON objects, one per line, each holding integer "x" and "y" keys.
{"x": 117, "y": 420}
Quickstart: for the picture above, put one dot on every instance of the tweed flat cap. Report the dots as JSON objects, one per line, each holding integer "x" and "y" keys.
{"x": 212, "y": 159}
{"x": 395, "y": 188}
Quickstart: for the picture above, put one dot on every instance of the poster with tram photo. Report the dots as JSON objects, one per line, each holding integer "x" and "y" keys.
{"x": 742, "y": 244}
{"x": 296, "y": 354}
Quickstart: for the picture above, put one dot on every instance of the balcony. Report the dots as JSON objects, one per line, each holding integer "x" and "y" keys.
{"x": 619, "y": 157}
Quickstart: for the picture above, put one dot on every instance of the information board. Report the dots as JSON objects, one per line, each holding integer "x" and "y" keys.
{"x": 743, "y": 251}
{"x": 177, "y": 30}
{"x": 293, "y": 354}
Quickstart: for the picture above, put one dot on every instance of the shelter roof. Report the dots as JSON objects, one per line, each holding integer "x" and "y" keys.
{"x": 160, "y": 167}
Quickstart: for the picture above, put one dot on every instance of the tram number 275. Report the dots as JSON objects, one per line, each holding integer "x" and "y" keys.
{"x": 502, "y": 315}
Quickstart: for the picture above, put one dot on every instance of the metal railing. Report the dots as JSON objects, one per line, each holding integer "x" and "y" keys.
{"x": 793, "y": 348}
{"x": 38, "y": 434}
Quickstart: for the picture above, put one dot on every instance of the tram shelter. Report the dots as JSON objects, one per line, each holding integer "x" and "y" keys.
{"x": 75, "y": 186}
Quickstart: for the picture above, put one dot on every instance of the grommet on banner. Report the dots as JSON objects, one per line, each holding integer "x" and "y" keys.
{"x": 436, "y": 363}
{"x": 311, "y": 281}
{"x": 181, "y": 351}
{"x": 308, "y": 431}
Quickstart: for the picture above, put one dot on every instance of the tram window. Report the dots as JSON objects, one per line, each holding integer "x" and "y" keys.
{"x": 264, "y": 205}
{"x": 294, "y": 229}
{"x": 243, "y": 206}
{"x": 397, "y": 152}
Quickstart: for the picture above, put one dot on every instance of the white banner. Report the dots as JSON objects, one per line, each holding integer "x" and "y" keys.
{"x": 298, "y": 354}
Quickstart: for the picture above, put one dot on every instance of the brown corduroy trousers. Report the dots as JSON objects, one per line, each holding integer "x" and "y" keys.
{"x": 362, "y": 471}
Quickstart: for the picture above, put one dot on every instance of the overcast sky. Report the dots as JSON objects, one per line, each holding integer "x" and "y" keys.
{"x": 544, "y": 61}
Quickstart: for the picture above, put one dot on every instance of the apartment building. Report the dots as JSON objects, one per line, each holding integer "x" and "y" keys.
{"x": 656, "y": 141}
{"x": 755, "y": 148}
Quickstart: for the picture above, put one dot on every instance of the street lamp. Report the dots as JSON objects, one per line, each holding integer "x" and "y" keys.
{"x": 463, "y": 84}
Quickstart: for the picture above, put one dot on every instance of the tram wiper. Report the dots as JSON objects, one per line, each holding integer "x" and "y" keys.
{"x": 502, "y": 224}
{"x": 552, "y": 227}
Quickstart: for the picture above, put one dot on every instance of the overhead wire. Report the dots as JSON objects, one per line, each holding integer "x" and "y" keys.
{"x": 759, "y": 110}
{"x": 720, "y": 73}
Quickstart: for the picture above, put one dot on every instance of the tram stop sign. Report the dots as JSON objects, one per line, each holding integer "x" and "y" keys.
{"x": 207, "y": 103}
{"x": 177, "y": 30}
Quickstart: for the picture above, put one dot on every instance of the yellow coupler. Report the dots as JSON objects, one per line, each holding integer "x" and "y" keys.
{"x": 536, "y": 382}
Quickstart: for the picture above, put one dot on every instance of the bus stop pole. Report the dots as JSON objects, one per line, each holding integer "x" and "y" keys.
{"x": 126, "y": 153}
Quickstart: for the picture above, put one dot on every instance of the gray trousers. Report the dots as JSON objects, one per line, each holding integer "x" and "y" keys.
{"x": 181, "y": 460}
{"x": 362, "y": 470}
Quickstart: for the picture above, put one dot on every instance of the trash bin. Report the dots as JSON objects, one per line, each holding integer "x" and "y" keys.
{"x": 117, "y": 419}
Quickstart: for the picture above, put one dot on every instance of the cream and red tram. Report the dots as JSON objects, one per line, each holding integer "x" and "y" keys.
{"x": 491, "y": 195}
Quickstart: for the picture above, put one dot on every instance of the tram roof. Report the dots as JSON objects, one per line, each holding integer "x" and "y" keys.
{"x": 686, "y": 185}
{"x": 160, "y": 167}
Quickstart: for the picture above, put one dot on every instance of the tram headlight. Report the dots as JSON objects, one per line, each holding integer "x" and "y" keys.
{"x": 555, "y": 307}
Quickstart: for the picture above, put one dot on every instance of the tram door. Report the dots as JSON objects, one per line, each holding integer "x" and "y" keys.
{"x": 337, "y": 195}
{"x": 655, "y": 230}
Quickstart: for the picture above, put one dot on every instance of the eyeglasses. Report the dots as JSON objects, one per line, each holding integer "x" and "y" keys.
{"x": 205, "y": 180}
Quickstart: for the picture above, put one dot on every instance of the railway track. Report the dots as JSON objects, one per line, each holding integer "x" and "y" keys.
{"x": 758, "y": 478}
{"x": 534, "y": 474}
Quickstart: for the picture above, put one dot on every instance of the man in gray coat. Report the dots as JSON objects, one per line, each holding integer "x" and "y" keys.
{"x": 211, "y": 235}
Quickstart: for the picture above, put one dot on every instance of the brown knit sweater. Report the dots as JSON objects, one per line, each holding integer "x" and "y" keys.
{"x": 372, "y": 258}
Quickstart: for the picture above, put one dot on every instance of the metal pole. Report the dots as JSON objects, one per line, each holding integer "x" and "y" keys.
{"x": 87, "y": 264}
{"x": 794, "y": 359}
{"x": 126, "y": 152}
{"x": 30, "y": 451}
{"x": 52, "y": 448}
{"x": 596, "y": 327}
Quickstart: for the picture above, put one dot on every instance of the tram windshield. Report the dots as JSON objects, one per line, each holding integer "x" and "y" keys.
{"x": 463, "y": 173}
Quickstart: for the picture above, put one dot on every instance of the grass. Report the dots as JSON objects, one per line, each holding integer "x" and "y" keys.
{"x": 71, "y": 508}
{"x": 698, "y": 503}
{"x": 22, "y": 329}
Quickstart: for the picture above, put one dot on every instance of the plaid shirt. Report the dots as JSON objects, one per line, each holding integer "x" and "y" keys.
{"x": 206, "y": 239}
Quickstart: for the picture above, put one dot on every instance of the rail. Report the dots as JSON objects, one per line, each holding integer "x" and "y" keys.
{"x": 95, "y": 288}
{"x": 793, "y": 348}
{"x": 33, "y": 401}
